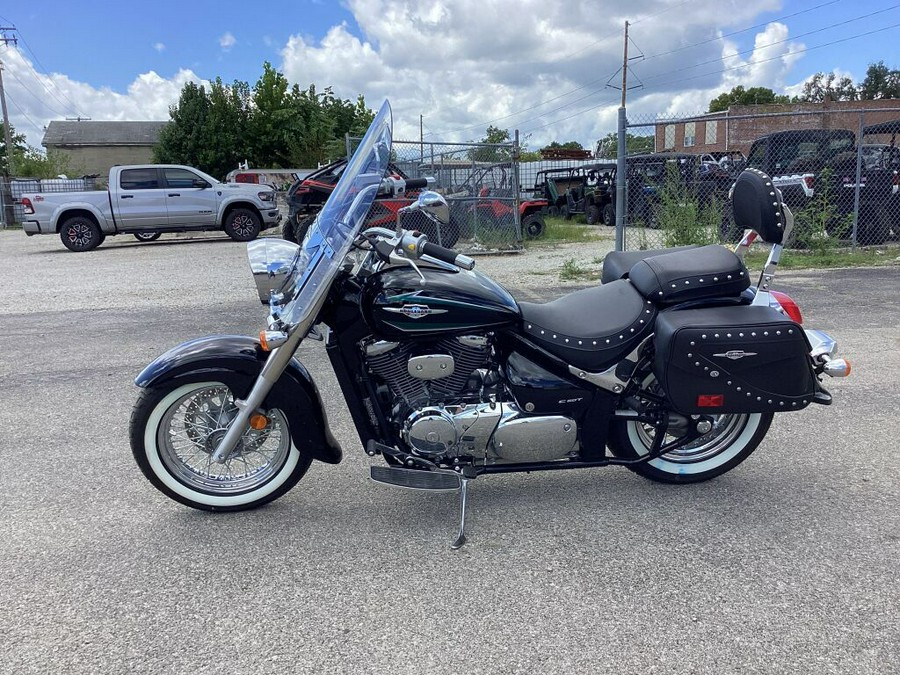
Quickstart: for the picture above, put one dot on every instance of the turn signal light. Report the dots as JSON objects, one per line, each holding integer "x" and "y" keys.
{"x": 837, "y": 368}
{"x": 710, "y": 400}
{"x": 270, "y": 339}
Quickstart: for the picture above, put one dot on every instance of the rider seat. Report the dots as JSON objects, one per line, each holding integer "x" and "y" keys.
{"x": 593, "y": 328}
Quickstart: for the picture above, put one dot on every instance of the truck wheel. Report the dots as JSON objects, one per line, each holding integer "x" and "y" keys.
{"x": 80, "y": 233}
{"x": 242, "y": 225}
{"x": 147, "y": 236}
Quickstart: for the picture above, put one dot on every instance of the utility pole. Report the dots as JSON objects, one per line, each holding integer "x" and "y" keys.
{"x": 9, "y": 216}
{"x": 621, "y": 165}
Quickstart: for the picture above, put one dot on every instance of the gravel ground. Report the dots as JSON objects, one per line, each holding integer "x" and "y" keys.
{"x": 788, "y": 564}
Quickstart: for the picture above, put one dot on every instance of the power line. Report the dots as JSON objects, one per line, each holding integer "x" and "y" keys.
{"x": 34, "y": 124}
{"x": 595, "y": 81}
{"x": 724, "y": 70}
{"x": 780, "y": 56}
{"x": 42, "y": 66}
{"x": 40, "y": 100}
{"x": 742, "y": 30}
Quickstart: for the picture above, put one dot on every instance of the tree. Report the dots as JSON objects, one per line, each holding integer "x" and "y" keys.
{"x": 493, "y": 136}
{"x": 32, "y": 162}
{"x": 827, "y": 85}
{"x": 740, "y": 96}
{"x": 608, "y": 146}
{"x": 568, "y": 145}
{"x": 18, "y": 149}
{"x": 880, "y": 82}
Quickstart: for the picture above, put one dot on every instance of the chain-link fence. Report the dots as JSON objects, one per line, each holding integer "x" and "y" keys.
{"x": 12, "y": 189}
{"x": 480, "y": 182}
{"x": 838, "y": 171}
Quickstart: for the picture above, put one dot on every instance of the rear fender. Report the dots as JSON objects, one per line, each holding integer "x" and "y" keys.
{"x": 236, "y": 361}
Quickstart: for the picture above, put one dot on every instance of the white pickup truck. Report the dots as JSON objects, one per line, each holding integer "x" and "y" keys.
{"x": 147, "y": 200}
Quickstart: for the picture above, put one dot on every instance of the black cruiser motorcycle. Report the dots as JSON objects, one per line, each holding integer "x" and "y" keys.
{"x": 673, "y": 367}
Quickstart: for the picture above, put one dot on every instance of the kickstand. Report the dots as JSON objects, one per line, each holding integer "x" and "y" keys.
{"x": 461, "y": 539}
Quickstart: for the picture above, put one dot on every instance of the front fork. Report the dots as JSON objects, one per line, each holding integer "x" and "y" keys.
{"x": 275, "y": 365}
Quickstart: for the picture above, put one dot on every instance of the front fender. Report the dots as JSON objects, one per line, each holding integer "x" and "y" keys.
{"x": 236, "y": 360}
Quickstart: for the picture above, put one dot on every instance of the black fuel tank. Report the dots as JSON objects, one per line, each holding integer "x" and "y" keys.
{"x": 397, "y": 305}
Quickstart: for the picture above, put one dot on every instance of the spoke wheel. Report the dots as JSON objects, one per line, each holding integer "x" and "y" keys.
{"x": 175, "y": 431}
{"x": 732, "y": 438}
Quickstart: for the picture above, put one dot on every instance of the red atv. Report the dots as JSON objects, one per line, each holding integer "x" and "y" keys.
{"x": 306, "y": 197}
{"x": 489, "y": 197}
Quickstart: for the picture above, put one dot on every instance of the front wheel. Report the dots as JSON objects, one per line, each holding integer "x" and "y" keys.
{"x": 242, "y": 225}
{"x": 730, "y": 441}
{"x": 174, "y": 431}
{"x": 147, "y": 236}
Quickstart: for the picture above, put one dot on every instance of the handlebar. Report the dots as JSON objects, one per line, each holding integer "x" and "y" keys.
{"x": 416, "y": 183}
{"x": 447, "y": 255}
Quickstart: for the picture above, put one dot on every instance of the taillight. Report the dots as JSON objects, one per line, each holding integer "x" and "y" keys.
{"x": 26, "y": 206}
{"x": 810, "y": 181}
{"x": 788, "y": 305}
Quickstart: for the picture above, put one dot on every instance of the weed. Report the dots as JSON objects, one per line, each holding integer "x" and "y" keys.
{"x": 573, "y": 271}
{"x": 682, "y": 219}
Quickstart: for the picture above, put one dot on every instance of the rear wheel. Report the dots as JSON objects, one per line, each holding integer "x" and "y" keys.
{"x": 174, "y": 431}
{"x": 873, "y": 228}
{"x": 731, "y": 440}
{"x": 564, "y": 212}
{"x": 592, "y": 214}
{"x": 80, "y": 233}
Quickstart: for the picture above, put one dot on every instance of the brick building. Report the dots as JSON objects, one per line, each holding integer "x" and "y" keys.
{"x": 720, "y": 132}
{"x": 93, "y": 147}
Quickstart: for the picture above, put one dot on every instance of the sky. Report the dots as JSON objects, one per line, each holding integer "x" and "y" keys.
{"x": 540, "y": 66}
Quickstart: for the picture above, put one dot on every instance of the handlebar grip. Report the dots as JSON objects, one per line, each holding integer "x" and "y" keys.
{"x": 416, "y": 183}
{"x": 448, "y": 255}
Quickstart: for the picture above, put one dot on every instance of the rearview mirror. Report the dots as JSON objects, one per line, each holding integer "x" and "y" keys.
{"x": 434, "y": 205}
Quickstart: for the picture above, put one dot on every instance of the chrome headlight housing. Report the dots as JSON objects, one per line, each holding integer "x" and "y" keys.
{"x": 272, "y": 262}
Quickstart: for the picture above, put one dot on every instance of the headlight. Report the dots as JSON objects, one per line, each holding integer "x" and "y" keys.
{"x": 268, "y": 196}
{"x": 271, "y": 261}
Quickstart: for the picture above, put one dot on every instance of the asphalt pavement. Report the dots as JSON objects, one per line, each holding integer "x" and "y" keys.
{"x": 787, "y": 564}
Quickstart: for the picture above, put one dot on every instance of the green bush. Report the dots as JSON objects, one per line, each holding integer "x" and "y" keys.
{"x": 817, "y": 226}
{"x": 682, "y": 219}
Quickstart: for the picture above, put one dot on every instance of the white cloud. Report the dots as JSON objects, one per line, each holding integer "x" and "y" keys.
{"x": 517, "y": 65}
{"x": 159, "y": 46}
{"x": 227, "y": 41}
{"x": 38, "y": 98}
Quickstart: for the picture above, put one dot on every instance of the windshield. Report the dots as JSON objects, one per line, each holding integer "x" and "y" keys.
{"x": 331, "y": 236}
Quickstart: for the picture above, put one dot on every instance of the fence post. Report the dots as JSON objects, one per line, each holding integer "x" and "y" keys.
{"x": 621, "y": 177}
{"x": 516, "y": 188}
{"x": 859, "y": 144}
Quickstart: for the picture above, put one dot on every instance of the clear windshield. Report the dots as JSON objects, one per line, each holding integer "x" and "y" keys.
{"x": 330, "y": 238}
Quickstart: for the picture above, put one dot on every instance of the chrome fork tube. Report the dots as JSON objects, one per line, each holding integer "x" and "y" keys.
{"x": 275, "y": 365}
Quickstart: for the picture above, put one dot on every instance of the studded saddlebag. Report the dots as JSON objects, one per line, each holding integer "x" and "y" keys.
{"x": 737, "y": 359}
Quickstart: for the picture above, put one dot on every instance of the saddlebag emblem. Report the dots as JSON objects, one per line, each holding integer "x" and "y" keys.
{"x": 735, "y": 354}
{"x": 415, "y": 311}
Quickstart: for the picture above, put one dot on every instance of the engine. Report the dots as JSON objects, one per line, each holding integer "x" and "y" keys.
{"x": 447, "y": 403}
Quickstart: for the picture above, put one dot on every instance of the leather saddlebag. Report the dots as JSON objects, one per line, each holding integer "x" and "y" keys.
{"x": 736, "y": 359}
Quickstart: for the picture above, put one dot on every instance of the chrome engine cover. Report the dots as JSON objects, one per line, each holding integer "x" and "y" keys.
{"x": 431, "y": 431}
{"x": 492, "y": 432}
{"x": 522, "y": 438}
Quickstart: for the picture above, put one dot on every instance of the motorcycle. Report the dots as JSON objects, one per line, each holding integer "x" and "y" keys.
{"x": 673, "y": 367}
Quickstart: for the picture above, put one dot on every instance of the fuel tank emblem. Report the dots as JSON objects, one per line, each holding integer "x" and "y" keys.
{"x": 415, "y": 311}
{"x": 735, "y": 354}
